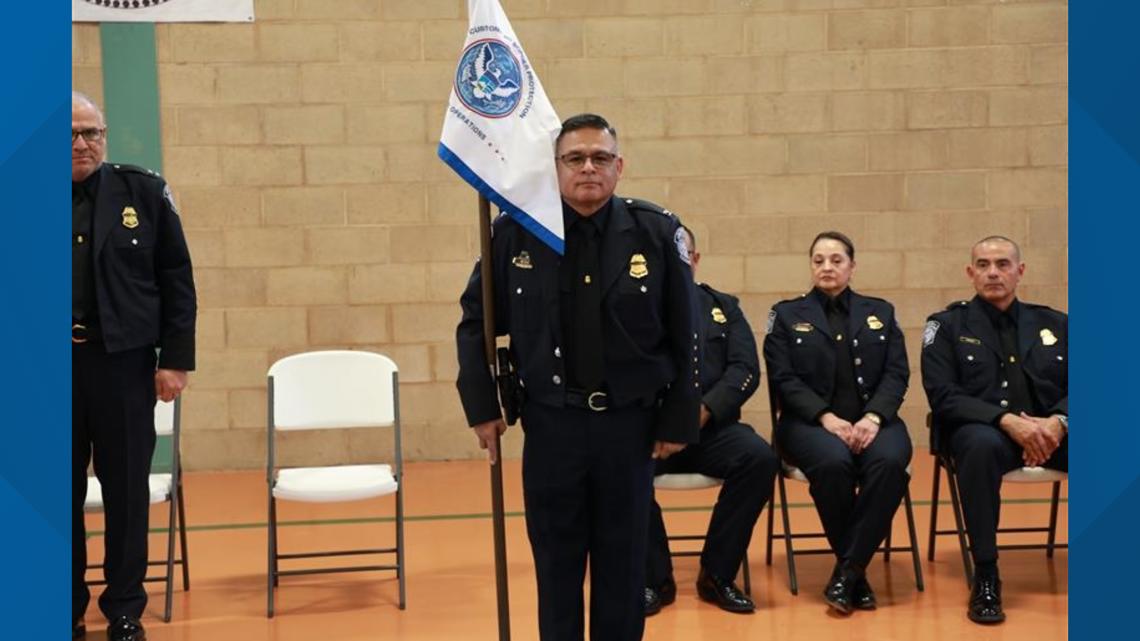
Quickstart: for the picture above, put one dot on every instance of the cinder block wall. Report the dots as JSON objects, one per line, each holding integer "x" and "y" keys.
{"x": 302, "y": 153}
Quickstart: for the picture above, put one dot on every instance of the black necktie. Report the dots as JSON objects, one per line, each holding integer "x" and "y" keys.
{"x": 1019, "y": 397}
{"x": 589, "y": 364}
{"x": 82, "y": 289}
{"x": 845, "y": 401}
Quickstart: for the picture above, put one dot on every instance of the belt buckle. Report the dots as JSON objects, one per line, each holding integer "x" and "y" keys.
{"x": 78, "y": 339}
{"x": 603, "y": 398}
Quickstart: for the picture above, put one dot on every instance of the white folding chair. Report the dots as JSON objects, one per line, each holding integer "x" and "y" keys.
{"x": 791, "y": 472}
{"x": 164, "y": 487}
{"x": 943, "y": 460}
{"x": 334, "y": 390}
{"x": 692, "y": 481}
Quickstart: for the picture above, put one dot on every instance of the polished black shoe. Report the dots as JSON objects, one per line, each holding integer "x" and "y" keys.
{"x": 840, "y": 590}
{"x": 126, "y": 629}
{"x": 724, "y": 593}
{"x": 862, "y": 596}
{"x": 79, "y": 630}
{"x": 659, "y": 597}
{"x": 985, "y": 600}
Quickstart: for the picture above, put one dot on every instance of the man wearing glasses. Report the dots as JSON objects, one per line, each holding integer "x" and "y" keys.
{"x": 132, "y": 294}
{"x": 604, "y": 345}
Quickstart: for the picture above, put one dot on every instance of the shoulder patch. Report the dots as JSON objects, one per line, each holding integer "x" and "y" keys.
{"x": 929, "y": 332}
{"x": 169, "y": 197}
{"x": 771, "y": 321}
{"x": 681, "y": 240}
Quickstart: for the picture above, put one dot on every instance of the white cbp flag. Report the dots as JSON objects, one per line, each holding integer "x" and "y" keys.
{"x": 499, "y": 130}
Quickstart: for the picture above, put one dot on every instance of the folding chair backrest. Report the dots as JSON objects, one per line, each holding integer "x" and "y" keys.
{"x": 164, "y": 418}
{"x": 333, "y": 389}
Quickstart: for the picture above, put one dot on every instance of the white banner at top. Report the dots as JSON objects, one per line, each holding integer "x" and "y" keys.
{"x": 162, "y": 10}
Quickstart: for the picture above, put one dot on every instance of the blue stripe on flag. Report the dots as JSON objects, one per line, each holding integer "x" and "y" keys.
{"x": 533, "y": 226}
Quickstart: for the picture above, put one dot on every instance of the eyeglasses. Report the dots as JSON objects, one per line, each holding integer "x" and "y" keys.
{"x": 90, "y": 135}
{"x": 599, "y": 159}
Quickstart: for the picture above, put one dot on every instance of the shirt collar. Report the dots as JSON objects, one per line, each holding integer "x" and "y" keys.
{"x": 995, "y": 315}
{"x": 600, "y": 218}
{"x": 90, "y": 184}
{"x": 843, "y": 300}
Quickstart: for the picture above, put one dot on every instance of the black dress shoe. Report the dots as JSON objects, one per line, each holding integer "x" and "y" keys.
{"x": 724, "y": 593}
{"x": 659, "y": 597}
{"x": 126, "y": 629}
{"x": 79, "y": 630}
{"x": 985, "y": 600}
{"x": 862, "y": 596}
{"x": 840, "y": 590}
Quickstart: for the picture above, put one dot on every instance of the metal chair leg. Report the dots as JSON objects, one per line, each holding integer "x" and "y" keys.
{"x": 271, "y": 574}
{"x": 1051, "y": 543}
{"x": 172, "y": 523}
{"x": 914, "y": 554}
{"x": 887, "y": 544}
{"x": 771, "y": 522}
{"x": 934, "y": 509}
{"x": 792, "y": 581}
{"x": 400, "y": 568}
{"x": 956, "y": 503}
{"x": 182, "y": 539}
{"x": 747, "y": 575}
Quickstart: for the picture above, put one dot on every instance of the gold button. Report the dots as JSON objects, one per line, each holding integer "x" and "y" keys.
{"x": 586, "y": 279}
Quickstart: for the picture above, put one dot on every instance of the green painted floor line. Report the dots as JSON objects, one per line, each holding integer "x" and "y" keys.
{"x": 475, "y": 516}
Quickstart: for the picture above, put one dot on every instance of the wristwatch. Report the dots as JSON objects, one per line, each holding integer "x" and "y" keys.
{"x": 1064, "y": 422}
{"x": 874, "y": 418}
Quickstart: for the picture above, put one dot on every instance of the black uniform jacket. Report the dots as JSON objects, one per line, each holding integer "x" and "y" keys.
{"x": 963, "y": 370}
{"x": 730, "y": 366}
{"x": 801, "y": 353}
{"x": 647, "y": 320}
{"x": 143, "y": 278}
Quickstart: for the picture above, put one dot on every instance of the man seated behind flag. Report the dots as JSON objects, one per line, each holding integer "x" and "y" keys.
{"x": 728, "y": 450}
{"x": 603, "y": 341}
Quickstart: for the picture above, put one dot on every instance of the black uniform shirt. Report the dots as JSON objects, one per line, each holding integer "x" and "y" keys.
{"x": 845, "y": 402}
{"x": 581, "y": 297}
{"x": 84, "y": 307}
{"x": 1020, "y": 390}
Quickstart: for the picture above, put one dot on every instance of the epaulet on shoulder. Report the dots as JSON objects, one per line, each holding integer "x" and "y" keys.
{"x": 134, "y": 169}
{"x": 958, "y": 304}
{"x": 717, "y": 294}
{"x": 793, "y": 299}
{"x": 1044, "y": 308}
{"x": 645, "y": 205}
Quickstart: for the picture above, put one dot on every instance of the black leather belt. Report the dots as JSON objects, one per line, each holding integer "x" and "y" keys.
{"x": 596, "y": 401}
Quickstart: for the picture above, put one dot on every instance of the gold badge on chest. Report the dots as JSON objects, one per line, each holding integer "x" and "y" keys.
{"x": 874, "y": 323}
{"x": 638, "y": 267}
{"x": 718, "y": 316}
{"x": 522, "y": 261}
{"x": 1047, "y": 337}
{"x": 802, "y": 327}
{"x": 130, "y": 218}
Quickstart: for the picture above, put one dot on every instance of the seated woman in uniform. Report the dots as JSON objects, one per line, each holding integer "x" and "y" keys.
{"x": 839, "y": 367}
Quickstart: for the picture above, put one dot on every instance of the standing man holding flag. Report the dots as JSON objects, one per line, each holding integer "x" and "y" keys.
{"x": 603, "y": 343}
{"x": 602, "y": 338}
